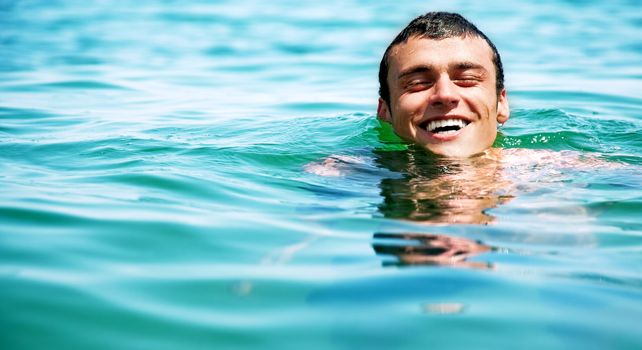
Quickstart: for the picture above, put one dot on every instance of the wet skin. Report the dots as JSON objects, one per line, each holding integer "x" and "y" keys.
{"x": 452, "y": 80}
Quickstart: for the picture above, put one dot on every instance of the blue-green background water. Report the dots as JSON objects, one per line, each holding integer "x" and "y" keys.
{"x": 152, "y": 192}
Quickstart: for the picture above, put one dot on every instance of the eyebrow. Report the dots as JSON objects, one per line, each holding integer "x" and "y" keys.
{"x": 459, "y": 66}
{"x": 414, "y": 70}
{"x": 469, "y": 65}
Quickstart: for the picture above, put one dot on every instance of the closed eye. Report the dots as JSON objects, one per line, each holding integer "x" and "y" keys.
{"x": 466, "y": 82}
{"x": 468, "y": 76}
{"x": 418, "y": 85}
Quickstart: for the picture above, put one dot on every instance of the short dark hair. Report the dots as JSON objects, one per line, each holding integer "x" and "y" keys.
{"x": 437, "y": 26}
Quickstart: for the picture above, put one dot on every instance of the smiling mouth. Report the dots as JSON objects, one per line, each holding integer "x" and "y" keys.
{"x": 444, "y": 126}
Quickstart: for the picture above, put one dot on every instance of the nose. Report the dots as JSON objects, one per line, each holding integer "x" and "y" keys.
{"x": 444, "y": 94}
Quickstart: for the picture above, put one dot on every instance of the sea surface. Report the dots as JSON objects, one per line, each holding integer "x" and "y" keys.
{"x": 211, "y": 175}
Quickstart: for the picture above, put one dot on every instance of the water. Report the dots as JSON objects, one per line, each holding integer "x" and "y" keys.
{"x": 153, "y": 192}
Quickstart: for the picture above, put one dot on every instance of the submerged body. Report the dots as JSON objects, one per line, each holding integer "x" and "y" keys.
{"x": 459, "y": 190}
{"x": 440, "y": 191}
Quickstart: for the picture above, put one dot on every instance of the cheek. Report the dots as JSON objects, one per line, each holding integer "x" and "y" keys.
{"x": 411, "y": 106}
{"x": 485, "y": 105}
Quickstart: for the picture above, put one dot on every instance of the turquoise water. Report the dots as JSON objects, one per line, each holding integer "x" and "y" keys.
{"x": 153, "y": 192}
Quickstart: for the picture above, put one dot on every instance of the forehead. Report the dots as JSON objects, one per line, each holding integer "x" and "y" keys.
{"x": 440, "y": 53}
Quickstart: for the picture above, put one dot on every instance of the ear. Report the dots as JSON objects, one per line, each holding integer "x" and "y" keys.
{"x": 503, "y": 110}
{"x": 383, "y": 112}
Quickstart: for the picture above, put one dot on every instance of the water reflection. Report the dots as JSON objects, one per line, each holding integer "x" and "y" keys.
{"x": 429, "y": 249}
{"x": 438, "y": 191}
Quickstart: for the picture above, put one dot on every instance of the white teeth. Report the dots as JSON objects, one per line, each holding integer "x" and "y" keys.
{"x": 433, "y": 125}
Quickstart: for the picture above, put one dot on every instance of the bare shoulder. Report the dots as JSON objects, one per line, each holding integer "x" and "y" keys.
{"x": 510, "y": 161}
{"x": 519, "y": 157}
{"x": 334, "y": 165}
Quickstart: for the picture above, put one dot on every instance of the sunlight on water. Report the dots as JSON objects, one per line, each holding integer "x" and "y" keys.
{"x": 154, "y": 192}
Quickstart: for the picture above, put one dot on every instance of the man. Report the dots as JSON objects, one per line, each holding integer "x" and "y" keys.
{"x": 442, "y": 86}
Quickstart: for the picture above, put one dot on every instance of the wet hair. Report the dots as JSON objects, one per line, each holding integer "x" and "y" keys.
{"x": 437, "y": 26}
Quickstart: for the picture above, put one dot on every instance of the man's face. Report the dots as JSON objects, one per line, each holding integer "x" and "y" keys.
{"x": 443, "y": 95}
